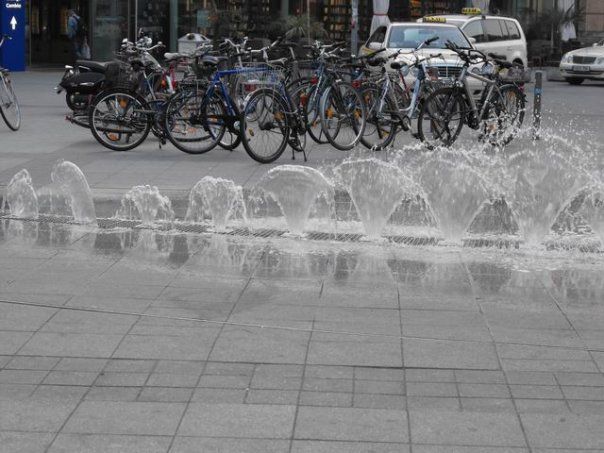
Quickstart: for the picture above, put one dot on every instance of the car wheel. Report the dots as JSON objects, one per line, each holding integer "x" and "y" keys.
{"x": 575, "y": 80}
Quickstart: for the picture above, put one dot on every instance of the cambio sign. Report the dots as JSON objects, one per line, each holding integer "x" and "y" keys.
{"x": 12, "y": 23}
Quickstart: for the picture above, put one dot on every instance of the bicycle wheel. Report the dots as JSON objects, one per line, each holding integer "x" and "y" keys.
{"x": 119, "y": 120}
{"x": 265, "y": 127}
{"x": 311, "y": 108}
{"x": 505, "y": 116}
{"x": 381, "y": 122}
{"x": 342, "y": 115}
{"x": 9, "y": 106}
{"x": 441, "y": 117}
{"x": 194, "y": 123}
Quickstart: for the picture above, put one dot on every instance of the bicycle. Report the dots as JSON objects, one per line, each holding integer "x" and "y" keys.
{"x": 499, "y": 112}
{"x": 9, "y": 105}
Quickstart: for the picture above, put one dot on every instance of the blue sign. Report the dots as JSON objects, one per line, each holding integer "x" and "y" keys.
{"x": 12, "y": 23}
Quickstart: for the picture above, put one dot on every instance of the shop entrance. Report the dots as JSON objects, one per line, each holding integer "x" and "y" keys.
{"x": 48, "y": 42}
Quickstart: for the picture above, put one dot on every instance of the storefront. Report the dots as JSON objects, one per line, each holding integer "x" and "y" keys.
{"x": 109, "y": 21}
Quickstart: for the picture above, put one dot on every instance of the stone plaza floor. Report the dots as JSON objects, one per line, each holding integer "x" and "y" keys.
{"x": 139, "y": 341}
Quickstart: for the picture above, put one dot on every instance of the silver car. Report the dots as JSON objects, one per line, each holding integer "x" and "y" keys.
{"x": 581, "y": 64}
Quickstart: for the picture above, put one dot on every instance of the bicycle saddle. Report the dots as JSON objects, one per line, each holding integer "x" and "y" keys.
{"x": 396, "y": 65}
{"x": 213, "y": 60}
{"x": 171, "y": 56}
{"x": 96, "y": 66}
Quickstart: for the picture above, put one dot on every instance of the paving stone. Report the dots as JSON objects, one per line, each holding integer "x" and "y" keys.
{"x": 59, "y": 392}
{"x": 237, "y": 344}
{"x": 103, "y": 443}
{"x": 121, "y": 379}
{"x": 431, "y": 389}
{"x": 536, "y": 391}
{"x": 487, "y": 405}
{"x": 16, "y": 391}
{"x": 328, "y": 372}
{"x": 219, "y": 396}
{"x": 429, "y": 375}
{"x": 327, "y": 385}
{"x": 237, "y": 382}
{"x": 309, "y": 446}
{"x": 207, "y": 445}
{"x": 541, "y": 406}
{"x": 22, "y": 376}
{"x": 40, "y": 416}
{"x": 71, "y": 344}
{"x": 113, "y": 393}
{"x": 86, "y": 322}
{"x": 337, "y": 349}
{"x": 466, "y": 428}
{"x": 375, "y": 401}
{"x": 564, "y": 431}
{"x": 378, "y": 374}
{"x": 20, "y": 442}
{"x": 22, "y": 317}
{"x": 433, "y": 402}
{"x": 166, "y": 346}
{"x": 105, "y": 417}
{"x": 71, "y": 377}
{"x": 130, "y": 366}
{"x": 258, "y": 396}
{"x": 238, "y": 420}
{"x": 351, "y": 424}
{"x": 531, "y": 378}
{"x": 484, "y": 390}
{"x": 11, "y": 342}
{"x": 328, "y": 399}
{"x": 166, "y": 394}
{"x": 78, "y": 364}
{"x": 32, "y": 363}
{"x": 449, "y": 354}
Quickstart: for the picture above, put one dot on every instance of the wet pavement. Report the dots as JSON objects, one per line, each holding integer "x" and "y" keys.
{"x": 137, "y": 340}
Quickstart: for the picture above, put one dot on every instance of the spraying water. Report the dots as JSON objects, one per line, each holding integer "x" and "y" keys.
{"x": 455, "y": 187}
{"x": 376, "y": 189}
{"x": 215, "y": 198}
{"x": 593, "y": 210}
{"x": 295, "y": 189}
{"x": 21, "y": 199}
{"x": 147, "y": 204}
{"x": 71, "y": 181}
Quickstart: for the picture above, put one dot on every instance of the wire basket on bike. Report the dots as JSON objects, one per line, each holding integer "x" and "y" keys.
{"x": 254, "y": 76}
{"x": 121, "y": 75}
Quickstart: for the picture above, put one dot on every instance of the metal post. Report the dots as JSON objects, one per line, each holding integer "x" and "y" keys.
{"x": 354, "y": 28}
{"x": 537, "y": 104}
{"x": 172, "y": 45}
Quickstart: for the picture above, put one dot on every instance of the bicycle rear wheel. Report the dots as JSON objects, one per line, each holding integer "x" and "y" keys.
{"x": 381, "y": 124}
{"x": 441, "y": 118}
{"x": 9, "y": 106}
{"x": 194, "y": 123}
{"x": 342, "y": 115}
{"x": 119, "y": 120}
{"x": 265, "y": 127}
{"x": 505, "y": 117}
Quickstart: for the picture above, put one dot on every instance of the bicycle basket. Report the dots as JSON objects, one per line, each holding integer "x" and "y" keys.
{"x": 120, "y": 75}
{"x": 254, "y": 76}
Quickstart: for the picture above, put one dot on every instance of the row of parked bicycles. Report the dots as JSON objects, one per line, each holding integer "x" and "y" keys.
{"x": 228, "y": 94}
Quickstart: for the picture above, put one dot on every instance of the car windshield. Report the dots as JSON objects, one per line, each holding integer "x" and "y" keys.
{"x": 410, "y": 36}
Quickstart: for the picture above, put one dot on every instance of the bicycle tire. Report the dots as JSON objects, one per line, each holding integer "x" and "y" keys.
{"x": 376, "y": 135}
{"x": 259, "y": 110}
{"x": 200, "y": 122}
{"x": 433, "y": 108}
{"x": 505, "y": 136}
{"x": 311, "y": 108}
{"x": 8, "y": 95}
{"x": 109, "y": 137}
{"x": 349, "y": 107}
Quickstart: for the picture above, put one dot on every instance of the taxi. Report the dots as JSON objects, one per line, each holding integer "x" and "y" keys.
{"x": 490, "y": 34}
{"x": 585, "y": 63}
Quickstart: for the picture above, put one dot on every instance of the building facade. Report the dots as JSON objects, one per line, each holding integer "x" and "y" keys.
{"x": 109, "y": 21}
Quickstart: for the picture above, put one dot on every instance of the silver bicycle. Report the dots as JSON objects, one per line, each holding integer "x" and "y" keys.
{"x": 9, "y": 106}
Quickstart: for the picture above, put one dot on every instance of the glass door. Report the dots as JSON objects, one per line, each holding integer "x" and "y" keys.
{"x": 112, "y": 21}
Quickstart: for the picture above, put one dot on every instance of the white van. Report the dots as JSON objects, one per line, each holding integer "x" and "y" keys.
{"x": 490, "y": 34}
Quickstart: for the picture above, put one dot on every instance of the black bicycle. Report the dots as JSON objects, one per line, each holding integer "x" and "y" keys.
{"x": 9, "y": 106}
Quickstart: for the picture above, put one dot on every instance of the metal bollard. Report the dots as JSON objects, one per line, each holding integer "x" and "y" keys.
{"x": 537, "y": 104}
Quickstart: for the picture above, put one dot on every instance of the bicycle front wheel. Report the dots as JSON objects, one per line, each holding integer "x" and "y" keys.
{"x": 119, "y": 121}
{"x": 441, "y": 118}
{"x": 265, "y": 126}
{"x": 9, "y": 106}
{"x": 342, "y": 115}
{"x": 195, "y": 124}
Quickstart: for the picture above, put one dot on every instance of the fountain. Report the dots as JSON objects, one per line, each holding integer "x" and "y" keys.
{"x": 592, "y": 210}
{"x": 215, "y": 198}
{"x": 456, "y": 188}
{"x": 147, "y": 204}
{"x": 376, "y": 189}
{"x": 72, "y": 183}
{"x": 544, "y": 181}
{"x": 21, "y": 199}
{"x": 295, "y": 189}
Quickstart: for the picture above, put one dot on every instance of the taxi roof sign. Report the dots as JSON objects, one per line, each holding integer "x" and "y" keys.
{"x": 434, "y": 19}
{"x": 471, "y": 11}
